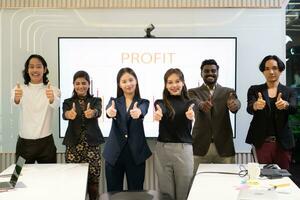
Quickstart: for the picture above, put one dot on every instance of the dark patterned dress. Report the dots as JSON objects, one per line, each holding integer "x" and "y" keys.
{"x": 85, "y": 153}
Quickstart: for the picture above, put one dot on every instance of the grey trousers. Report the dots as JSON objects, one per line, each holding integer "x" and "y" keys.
{"x": 174, "y": 166}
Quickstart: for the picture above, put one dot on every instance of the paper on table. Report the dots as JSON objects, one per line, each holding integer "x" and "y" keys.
{"x": 257, "y": 194}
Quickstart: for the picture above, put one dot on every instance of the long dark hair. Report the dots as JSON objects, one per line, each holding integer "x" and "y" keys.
{"x": 26, "y": 66}
{"x": 85, "y": 75}
{"x": 166, "y": 93}
{"x": 130, "y": 71}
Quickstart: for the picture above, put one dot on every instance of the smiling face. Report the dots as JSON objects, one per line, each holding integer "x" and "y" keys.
{"x": 128, "y": 84}
{"x": 36, "y": 71}
{"x": 271, "y": 71}
{"x": 210, "y": 74}
{"x": 81, "y": 86}
{"x": 174, "y": 84}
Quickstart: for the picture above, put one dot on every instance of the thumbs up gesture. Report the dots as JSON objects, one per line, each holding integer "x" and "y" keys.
{"x": 49, "y": 93}
{"x": 111, "y": 111}
{"x": 157, "y": 115}
{"x": 260, "y": 103}
{"x": 231, "y": 102}
{"x": 71, "y": 114}
{"x": 190, "y": 112}
{"x": 135, "y": 112}
{"x": 89, "y": 113}
{"x": 280, "y": 103}
{"x": 18, "y": 93}
{"x": 205, "y": 106}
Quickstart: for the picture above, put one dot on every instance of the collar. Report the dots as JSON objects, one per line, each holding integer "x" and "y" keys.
{"x": 211, "y": 90}
{"x": 35, "y": 85}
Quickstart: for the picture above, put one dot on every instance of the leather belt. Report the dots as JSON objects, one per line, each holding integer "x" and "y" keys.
{"x": 270, "y": 139}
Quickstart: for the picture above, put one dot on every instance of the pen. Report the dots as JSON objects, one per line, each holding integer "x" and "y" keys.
{"x": 280, "y": 185}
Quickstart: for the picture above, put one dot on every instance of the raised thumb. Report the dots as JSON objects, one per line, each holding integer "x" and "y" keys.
{"x": 191, "y": 106}
{"x": 279, "y": 96}
{"x": 158, "y": 108}
{"x": 260, "y": 96}
{"x": 135, "y": 105}
{"x": 113, "y": 104}
{"x": 209, "y": 98}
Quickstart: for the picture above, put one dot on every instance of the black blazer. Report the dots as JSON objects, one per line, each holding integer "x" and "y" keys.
{"x": 258, "y": 126}
{"x": 94, "y": 135}
{"x": 125, "y": 130}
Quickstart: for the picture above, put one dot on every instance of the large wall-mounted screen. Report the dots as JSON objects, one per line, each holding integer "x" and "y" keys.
{"x": 149, "y": 58}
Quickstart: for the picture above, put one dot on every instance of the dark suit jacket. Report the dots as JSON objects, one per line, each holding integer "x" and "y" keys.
{"x": 125, "y": 130}
{"x": 93, "y": 134}
{"x": 214, "y": 124}
{"x": 258, "y": 126}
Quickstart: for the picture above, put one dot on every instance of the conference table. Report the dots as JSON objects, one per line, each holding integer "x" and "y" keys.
{"x": 214, "y": 182}
{"x": 47, "y": 182}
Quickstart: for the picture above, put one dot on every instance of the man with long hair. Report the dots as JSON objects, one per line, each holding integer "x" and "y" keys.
{"x": 37, "y": 100}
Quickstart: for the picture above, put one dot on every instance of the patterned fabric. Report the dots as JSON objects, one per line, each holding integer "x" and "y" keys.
{"x": 85, "y": 153}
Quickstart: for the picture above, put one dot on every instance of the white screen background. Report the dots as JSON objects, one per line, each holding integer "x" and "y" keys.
{"x": 150, "y": 58}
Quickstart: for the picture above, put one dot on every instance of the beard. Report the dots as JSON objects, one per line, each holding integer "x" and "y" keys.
{"x": 210, "y": 80}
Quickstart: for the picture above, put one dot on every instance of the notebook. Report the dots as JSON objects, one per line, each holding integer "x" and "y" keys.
{"x": 14, "y": 177}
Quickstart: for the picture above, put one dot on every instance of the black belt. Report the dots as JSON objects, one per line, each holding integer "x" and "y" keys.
{"x": 44, "y": 139}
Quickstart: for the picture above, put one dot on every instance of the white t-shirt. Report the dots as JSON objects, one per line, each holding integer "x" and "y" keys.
{"x": 35, "y": 110}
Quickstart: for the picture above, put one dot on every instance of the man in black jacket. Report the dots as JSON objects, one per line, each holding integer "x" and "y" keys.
{"x": 270, "y": 104}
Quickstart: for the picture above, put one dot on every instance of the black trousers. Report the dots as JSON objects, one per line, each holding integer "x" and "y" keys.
{"x": 41, "y": 150}
{"x": 135, "y": 174}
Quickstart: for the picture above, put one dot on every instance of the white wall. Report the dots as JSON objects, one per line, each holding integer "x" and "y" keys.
{"x": 259, "y": 32}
